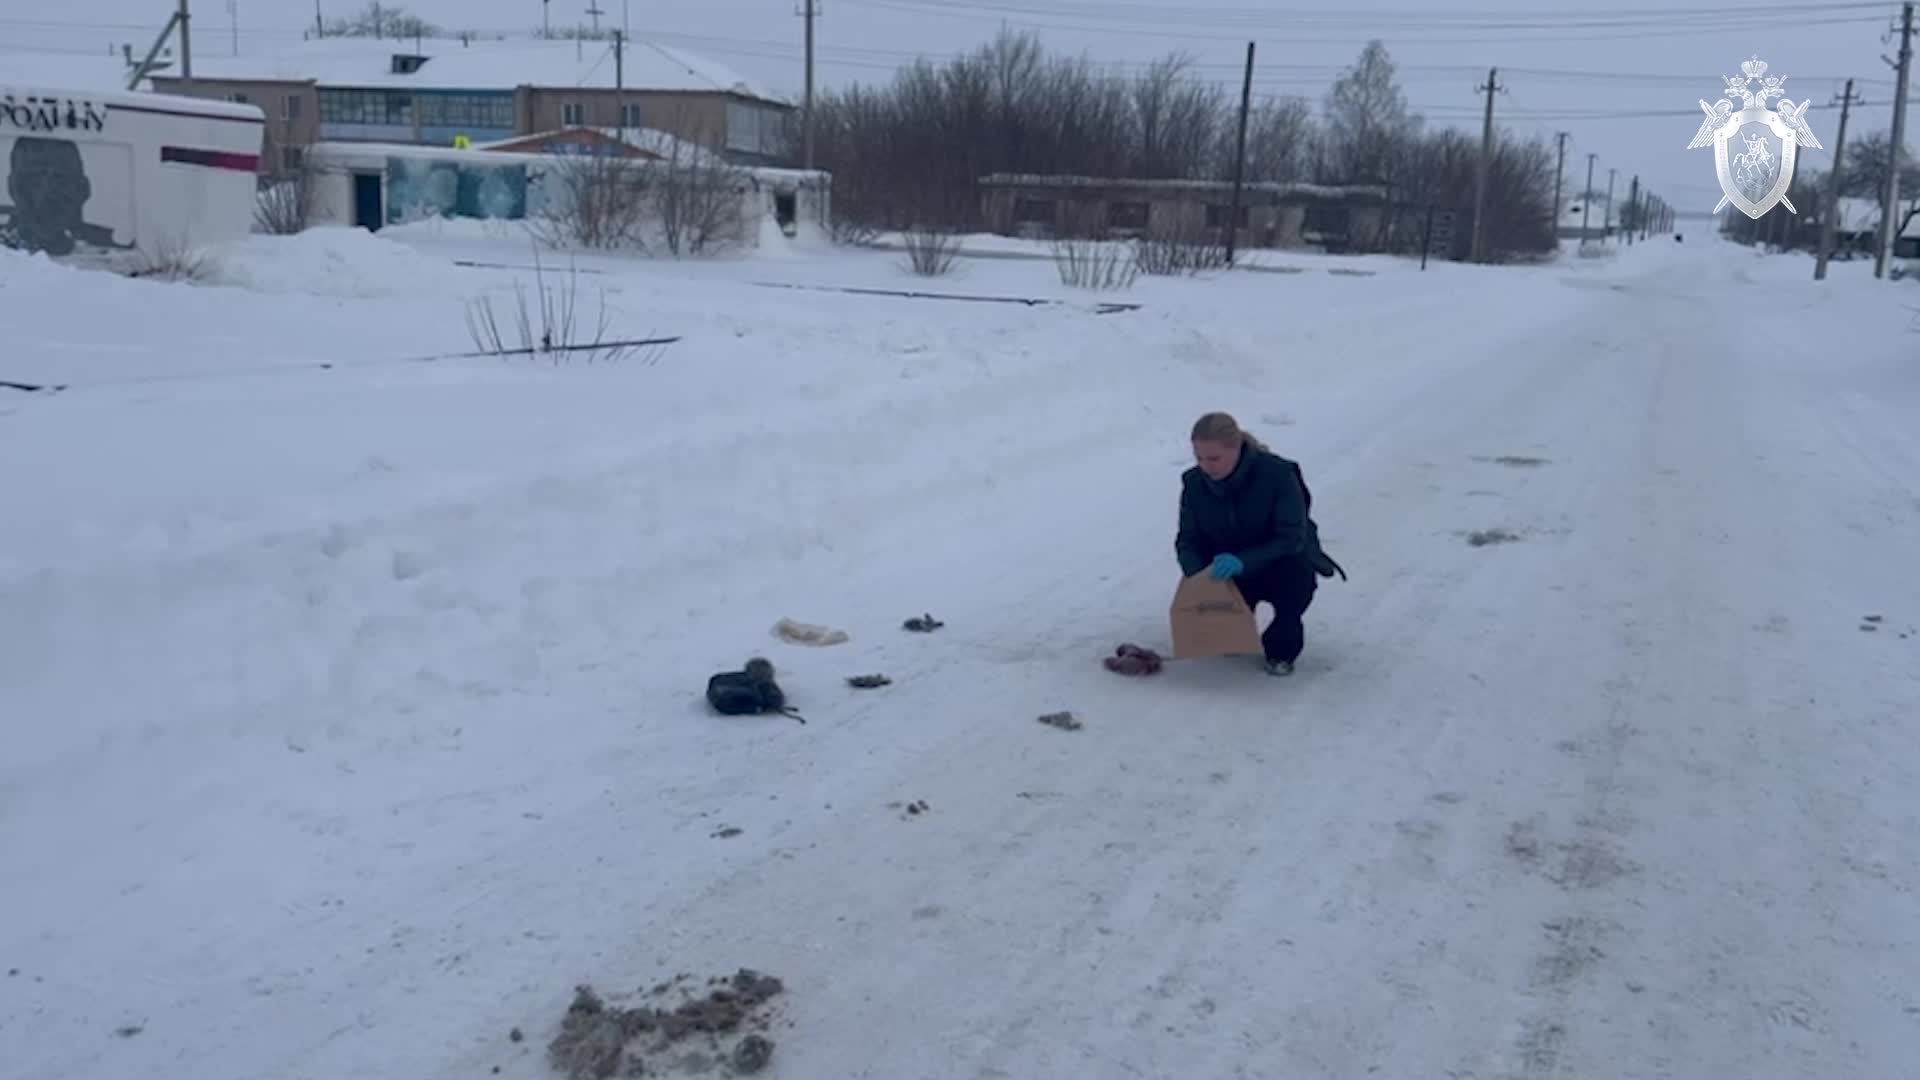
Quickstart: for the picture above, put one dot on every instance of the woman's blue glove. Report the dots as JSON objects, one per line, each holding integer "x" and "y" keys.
{"x": 1226, "y": 566}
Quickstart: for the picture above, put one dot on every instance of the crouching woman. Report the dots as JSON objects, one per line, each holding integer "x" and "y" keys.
{"x": 1245, "y": 516}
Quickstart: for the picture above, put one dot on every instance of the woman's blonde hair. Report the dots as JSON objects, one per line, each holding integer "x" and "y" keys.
{"x": 1222, "y": 429}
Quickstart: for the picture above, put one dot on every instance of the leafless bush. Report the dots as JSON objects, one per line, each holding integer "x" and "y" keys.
{"x": 551, "y": 330}
{"x": 1181, "y": 248}
{"x": 698, "y": 200}
{"x": 599, "y": 202}
{"x": 284, "y": 204}
{"x": 847, "y": 232}
{"x": 171, "y": 258}
{"x": 1095, "y": 264}
{"x": 931, "y": 251}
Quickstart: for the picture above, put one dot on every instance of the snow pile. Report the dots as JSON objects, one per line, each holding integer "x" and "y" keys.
{"x": 370, "y": 696}
{"x": 329, "y": 261}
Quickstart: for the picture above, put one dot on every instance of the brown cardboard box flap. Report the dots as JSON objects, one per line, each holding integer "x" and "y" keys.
{"x": 1210, "y": 618}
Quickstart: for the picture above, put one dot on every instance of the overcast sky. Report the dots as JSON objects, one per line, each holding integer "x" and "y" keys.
{"x": 1623, "y": 80}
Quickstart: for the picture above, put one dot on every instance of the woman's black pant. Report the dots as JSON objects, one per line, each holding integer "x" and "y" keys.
{"x": 1289, "y": 586}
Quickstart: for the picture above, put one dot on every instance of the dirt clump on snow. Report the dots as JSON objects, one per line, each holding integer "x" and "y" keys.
{"x": 598, "y": 1040}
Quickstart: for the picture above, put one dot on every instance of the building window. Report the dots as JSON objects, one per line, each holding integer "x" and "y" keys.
{"x": 378, "y": 108}
{"x": 290, "y": 158}
{"x": 573, "y": 114}
{"x": 755, "y": 129}
{"x": 630, "y": 116}
{"x": 290, "y": 108}
{"x": 237, "y": 97}
{"x": 480, "y": 111}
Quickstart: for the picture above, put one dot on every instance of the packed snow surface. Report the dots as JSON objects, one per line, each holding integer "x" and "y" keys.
{"x": 352, "y": 697}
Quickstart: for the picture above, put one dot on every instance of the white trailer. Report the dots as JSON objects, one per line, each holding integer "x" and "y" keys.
{"x": 89, "y": 172}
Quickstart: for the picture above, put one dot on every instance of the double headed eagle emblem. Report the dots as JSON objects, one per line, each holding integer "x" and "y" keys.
{"x": 1757, "y": 167}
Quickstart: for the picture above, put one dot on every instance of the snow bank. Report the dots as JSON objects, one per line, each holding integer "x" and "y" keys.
{"x": 370, "y": 696}
{"x": 329, "y": 261}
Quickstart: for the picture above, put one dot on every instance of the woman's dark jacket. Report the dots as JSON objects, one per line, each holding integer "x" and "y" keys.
{"x": 1260, "y": 513}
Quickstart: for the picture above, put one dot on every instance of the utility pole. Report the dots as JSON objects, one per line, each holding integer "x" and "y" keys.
{"x": 1240, "y": 158}
{"x": 186, "y": 41}
{"x": 1486, "y": 165}
{"x": 1890, "y": 211}
{"x": 1606, "y": 223}
{"x": 620, "y": 90}
{"x": 594, "y": 11}
{"x": 141, "y": 69}
{"x": 1630, "y": 222}
{"x": 1834, "y": 182}
{"x": 812, "y": 11}
{"x": 1559, "y": 171}
{"x": 1586, "y": 202}
{"x": 319, "y": 23}
{"x": 233, "y": 18}
{"x": 546, "y": 20}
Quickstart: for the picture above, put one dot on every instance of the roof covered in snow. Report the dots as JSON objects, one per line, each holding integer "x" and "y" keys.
{"x": 650, "y": 140}
{"x": 486, "y": 65}
{"x": 1863, "y": 215}
{"x": 96, "y": 74}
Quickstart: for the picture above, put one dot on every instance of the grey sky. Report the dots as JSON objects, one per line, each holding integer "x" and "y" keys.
{"x": 1569, "y": 65}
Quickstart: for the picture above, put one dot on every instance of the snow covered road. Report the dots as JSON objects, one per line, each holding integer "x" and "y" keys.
{"x": 1600, "y": 766}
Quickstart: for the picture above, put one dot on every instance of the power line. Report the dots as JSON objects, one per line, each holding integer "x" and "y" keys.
{"x": 1287, "y": 29}
{"x": 870, "y": 57}
{"x": 1185, "y": 14}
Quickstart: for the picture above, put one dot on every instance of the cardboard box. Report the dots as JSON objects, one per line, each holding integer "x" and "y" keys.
{"x": 1211, "y": 618}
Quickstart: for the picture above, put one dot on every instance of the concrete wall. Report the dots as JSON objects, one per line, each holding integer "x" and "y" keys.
{"x": 89, "y": 173}
{"x": 700, "y": 118}
{"x": 416, "y": 183}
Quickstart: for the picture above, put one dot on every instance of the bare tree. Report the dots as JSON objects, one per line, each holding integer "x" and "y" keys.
{"x": 378, "y": 20}
{"x": 700, "y": 199}
{"x": 1367, "y": 118}
{"x": 909, "y": 154}
{"x": 1280, "y": 138}
{"x": 1866, "y": 176}
{"x": 596, "y": 201}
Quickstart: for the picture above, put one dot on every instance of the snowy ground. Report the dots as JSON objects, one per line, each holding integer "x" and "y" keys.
{"x": 352, "y": 715}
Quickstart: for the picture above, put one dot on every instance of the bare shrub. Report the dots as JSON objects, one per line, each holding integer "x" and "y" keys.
{"x": 931, "y": 251}
{"x": 284, "y": 204}
{"x": 600, "y": 202}
{"x": 1185, "y": 247}
{"x": 550, "y": 330}
{"x": 1095, "y": 264}
{"x": 698, "y": 200}
{"x": 851, "y": 233}
{"x": 171, "y": 258}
